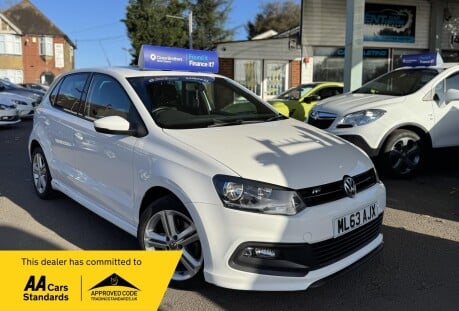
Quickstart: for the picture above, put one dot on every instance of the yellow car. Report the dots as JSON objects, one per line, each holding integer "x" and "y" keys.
{"x": 298, "y": 101}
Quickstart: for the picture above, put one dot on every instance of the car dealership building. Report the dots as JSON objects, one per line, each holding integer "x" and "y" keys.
{"x": 315, "y": 51}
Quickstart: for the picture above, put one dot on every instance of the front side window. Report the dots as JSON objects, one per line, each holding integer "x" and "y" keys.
{"x": 399, "y": 82}
{"x": 327, "y": 92}
{"x": 452, "y": 82}
{"x": 67, "y": 94}
{"x": 197, "y": 102}
{"x": 297, "y": 92}
{"x": 46, "y": 46}
{"x": 106, "y": 97}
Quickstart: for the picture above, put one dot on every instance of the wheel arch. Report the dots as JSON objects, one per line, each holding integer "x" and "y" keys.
{"x": 416, "y": 128}
{"x": 153, "y": 194}
{"x": 33, "y": 145}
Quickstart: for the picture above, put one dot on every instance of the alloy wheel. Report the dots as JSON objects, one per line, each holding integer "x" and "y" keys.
{"x": 173, "y": 230}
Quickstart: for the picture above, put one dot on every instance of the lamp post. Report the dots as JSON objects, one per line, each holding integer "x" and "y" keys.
{"x": 190, "y": 25}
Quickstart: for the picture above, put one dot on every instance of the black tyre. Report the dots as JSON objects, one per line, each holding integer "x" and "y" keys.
{"x": 403, "y": 153}
{"x": 166, "y": 225}
{"x": 41, "y": 175}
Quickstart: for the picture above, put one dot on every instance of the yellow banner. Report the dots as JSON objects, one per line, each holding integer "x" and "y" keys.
{"x": 85, "y": 280}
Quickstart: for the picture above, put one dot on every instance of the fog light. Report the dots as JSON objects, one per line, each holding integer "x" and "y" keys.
{"x": 265, "y": 252}
{"x": 248, "y": 252}
{"x": 259, "y": 252}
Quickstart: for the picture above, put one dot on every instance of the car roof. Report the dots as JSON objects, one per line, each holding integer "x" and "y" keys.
{"x": 440, "y": 66}
{"x": 128, "y": 72}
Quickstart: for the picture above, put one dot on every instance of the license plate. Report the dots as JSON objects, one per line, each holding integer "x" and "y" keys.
{"x": 354, "y": 220}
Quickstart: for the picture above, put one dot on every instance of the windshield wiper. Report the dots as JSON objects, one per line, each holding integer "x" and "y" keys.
{"x": 276, "y": 117}
{"x": 218, "y": 122}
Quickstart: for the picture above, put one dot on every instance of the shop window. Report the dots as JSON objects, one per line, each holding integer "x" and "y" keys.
{"x": 329, "y": 64}
{"x": 248, "y": 73}
{"x": 276, "y": 78}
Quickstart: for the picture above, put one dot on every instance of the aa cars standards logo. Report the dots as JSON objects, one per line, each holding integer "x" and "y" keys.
{"x": 114, "y": 288}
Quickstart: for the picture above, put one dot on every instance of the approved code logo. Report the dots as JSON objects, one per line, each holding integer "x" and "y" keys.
{"x": 114, "y": 288}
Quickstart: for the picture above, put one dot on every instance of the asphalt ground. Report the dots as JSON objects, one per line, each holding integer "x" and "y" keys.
{"x": 418, "y": 268}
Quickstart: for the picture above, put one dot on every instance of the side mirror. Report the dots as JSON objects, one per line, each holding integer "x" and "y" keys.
{"x": 451, "y": 95}
{"x": 311, "y": 98}
{"x": 113, "y": 125}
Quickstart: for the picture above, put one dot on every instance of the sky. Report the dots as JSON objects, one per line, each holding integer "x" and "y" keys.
{"x": 101, "y": 38}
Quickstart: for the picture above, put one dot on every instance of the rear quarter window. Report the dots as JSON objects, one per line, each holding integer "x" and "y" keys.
{"x": 68, "y": 93}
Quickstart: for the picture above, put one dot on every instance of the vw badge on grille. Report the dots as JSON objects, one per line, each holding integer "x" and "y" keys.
{"x": 349, "y": 186}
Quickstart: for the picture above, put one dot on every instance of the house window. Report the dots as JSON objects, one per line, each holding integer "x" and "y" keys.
{"x": 46, "y": 46}
{"x": 12, "y": 75}
{"x": 10, "y": 44}
{"x": 248, "y": 73}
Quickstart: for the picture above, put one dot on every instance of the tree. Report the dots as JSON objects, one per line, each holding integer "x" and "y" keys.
{"x": 276, "y": 15}
{"x": 147, "y": 23}
{"x": 164, "y": 22}
{"x": 209, "y": 18}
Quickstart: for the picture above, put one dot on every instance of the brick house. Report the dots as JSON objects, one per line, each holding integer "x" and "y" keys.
{"x": 32, "y": 48}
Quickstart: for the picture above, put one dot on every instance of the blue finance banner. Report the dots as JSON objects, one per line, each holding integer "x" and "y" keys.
{"x": 165, "y": 58}
{"x": 424, "y": 59}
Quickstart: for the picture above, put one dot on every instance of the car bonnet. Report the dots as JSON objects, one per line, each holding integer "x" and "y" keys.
{"x": 286, "y": 153}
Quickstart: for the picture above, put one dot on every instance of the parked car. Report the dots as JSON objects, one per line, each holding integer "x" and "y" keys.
{"x": 399, "y": 116}
{"x": 24, "y": 105}
{"x": 254, "y": 200}
{"x": 35, "y": 86}
{"x": 10, "y": 87}
{"x": 298, "y": 101}
{"x": 8, "y": 114}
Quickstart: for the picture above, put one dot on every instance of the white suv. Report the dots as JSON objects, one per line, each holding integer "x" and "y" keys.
{"x": 398, "y": 116}
{"x": 195, "y": 162}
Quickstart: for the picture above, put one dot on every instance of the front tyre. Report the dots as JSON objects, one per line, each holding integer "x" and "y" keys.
{"x": 403, "y": 153}
{"x": 40, "y": 174}
{"x": 166, "y": 225}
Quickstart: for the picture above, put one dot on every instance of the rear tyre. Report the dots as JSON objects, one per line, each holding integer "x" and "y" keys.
{"x": 41, "y": 175}
{"x": 166, "y": 225}
{"x": 403, "y": 153}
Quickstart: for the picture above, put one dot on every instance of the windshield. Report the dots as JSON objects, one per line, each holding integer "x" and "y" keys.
{"x": 399, "y": 82}
{"x": 296, "y": 92}
{"x": 181, "y": 102}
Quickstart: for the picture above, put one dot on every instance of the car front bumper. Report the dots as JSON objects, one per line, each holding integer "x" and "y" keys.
{"x": 224, "y": 231}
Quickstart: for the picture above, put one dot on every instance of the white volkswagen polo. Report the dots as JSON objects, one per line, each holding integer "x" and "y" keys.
{"x": 192, "y": 161}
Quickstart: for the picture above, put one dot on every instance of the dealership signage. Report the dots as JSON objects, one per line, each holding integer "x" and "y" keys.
{"x": 424, "y": 59}
{"x": 389, "y": 23}
{"x": 153, "y": 57}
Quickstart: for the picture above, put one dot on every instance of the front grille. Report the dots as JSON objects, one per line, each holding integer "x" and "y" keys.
{"x": 321, "y": 123}
{"x": 332, "y": 250}
{"x": 335, "y": 190}
{"x": 321, "y": 119}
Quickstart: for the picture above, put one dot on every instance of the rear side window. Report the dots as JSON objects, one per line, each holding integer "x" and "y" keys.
{"x": 329, "y": 92}
{"x": 68, "y": 93}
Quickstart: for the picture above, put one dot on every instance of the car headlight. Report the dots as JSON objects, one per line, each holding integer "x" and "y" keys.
{"x": 4, "y": 107}
{"x": 361, "y": 117}
{"x": 253, "y": 196}
{"x": 18, "y": 102}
